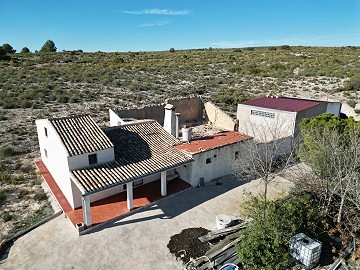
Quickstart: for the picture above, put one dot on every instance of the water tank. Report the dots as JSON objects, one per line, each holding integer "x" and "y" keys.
{"x": 305, "y": 250}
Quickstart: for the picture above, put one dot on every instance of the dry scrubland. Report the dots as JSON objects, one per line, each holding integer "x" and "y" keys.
{"x": 42, "y": 85}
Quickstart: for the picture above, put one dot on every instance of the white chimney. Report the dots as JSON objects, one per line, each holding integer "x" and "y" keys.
{"x": 170, "y": 119}
{"x": 177, "y": 125}
{"x": 186, "y": 134}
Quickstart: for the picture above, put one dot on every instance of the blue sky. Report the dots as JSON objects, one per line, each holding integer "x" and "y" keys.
{"x": 150, "y": 25}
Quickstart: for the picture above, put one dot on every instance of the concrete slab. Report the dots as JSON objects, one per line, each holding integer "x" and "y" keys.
{"x": 138, "y": 241}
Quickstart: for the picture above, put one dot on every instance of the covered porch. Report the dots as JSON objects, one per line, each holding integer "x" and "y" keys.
{"x": 113, "y": 206}
{"x": 116, "y": 205}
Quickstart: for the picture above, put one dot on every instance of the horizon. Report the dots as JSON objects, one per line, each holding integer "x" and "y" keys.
{"x": 180, "y": 24}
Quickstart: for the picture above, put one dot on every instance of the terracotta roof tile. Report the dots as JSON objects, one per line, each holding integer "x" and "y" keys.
{"x": 212, "y": 142}
{"x": 80, "y": 135}
{"x": 282, "y": 103}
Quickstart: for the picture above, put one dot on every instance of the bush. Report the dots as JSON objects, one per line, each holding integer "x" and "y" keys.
{"x": 23, "y": 193}
{"x": 40, "y": 195}
{"x": 172, "y": 50}
{"x": 7, "y": 151}
{"x": 5, "y": 178}
{"x": 6, "y": 217}
{"x": 351, "y": 103}
{"x": 265, "y": 244}
{"x": 2, "y": 196}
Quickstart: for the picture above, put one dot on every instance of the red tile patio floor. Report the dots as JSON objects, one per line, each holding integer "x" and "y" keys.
{"x": 114, "y": 206}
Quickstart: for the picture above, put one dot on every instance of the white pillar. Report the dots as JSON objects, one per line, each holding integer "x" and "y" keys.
{"x": 85, "y": 201}
{"x": 129, "y": 197}
{"x": 163, "y": 183}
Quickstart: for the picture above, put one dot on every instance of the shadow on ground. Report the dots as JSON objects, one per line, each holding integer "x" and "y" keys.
{"x": 178, "y": 203}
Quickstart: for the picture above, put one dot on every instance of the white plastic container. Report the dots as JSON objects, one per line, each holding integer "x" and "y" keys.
{"x": 223, "y": 221}
{"x": 305, "y": 250}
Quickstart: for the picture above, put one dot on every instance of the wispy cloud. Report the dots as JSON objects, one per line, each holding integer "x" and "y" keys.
{"x": 153, "y": 24}
{"x": 156, "y": 11}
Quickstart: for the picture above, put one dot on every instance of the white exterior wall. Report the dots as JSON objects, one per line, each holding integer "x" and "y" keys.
{"x": 334, "y": 108}
{"x": 82, "y": 161}
{"x": 114, "y": 118}
{"x": 106, "y": 193}
{"x": 263, "y": 128}
{"x": 221, "y": 164}
{"x": 57, "y": 158}
{"x": 115, "y": 190}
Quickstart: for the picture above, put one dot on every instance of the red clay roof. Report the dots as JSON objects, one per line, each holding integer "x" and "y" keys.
{"x": 282, "y": 103}
{"x": 212, "y": 142}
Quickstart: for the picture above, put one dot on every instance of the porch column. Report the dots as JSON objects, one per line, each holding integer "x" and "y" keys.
{"x": 129, "y": 197}
{"x": 85, "y": 201}
{"x": 163, "y": 183}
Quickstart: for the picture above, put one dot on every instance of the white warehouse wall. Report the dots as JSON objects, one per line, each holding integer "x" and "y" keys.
{"x": 263, "y": 128}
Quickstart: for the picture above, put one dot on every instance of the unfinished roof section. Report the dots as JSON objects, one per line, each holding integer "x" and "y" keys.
{"x": 212, "y": 142}
{"x": 141, "y": 149}
{"x": 282, "y": 103}
{"x": 81, "y": 135}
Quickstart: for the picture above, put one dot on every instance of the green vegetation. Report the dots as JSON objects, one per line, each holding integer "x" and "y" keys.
{"x": 31, "y": 80}
{"x": 25, "y": 50}
{"x": 6, "y": 216}
{"x": 265, "y": 244}
{"x": 2, "y": 196}
{"x": 331, "y": 149}
{"x": 40, "y": 195}
{"x": 43, "y": 212}
{"x": 7, "y": 151}
{"x": 48, "y": 47}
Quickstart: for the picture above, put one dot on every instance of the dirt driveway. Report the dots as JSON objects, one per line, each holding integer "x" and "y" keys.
{"x": 138, "y": 241}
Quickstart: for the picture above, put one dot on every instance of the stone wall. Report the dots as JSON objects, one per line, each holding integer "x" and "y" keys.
{"x": 190, "y": 109}
{"x": 218, "y": 118}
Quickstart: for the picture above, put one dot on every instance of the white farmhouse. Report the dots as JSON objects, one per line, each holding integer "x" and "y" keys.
{"x": 89, "y": 163}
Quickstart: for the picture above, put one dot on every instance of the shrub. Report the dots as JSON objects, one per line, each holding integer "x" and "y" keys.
{"x": 6, "y": 217}
{"x": 7, "y": 151}
{"x": 2, "y": 197}
{"x": 265, "y": 244}
{"x": 23, "y": 193}
{"x": 40, "y": 195}
{"x": 172, "y": 50}
{"x": 5, "y": 178}
{"x": 351, "y": 103}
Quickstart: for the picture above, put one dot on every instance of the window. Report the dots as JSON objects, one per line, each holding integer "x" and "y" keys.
{"x": 45, "y": 152}
{"x": 236, "y": 154}
{"x": 138, "y": 182}
{"x": 263, "y": 114}
{"x": 45, "y": 129}
{"x": 208, "y": 160}
{"x": 92, "y": 159}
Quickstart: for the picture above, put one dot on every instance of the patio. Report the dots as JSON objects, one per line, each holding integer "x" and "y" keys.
{"x": 114, "y": 206}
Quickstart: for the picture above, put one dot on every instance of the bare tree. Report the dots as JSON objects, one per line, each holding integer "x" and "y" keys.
{"x": 271, "y": 151}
